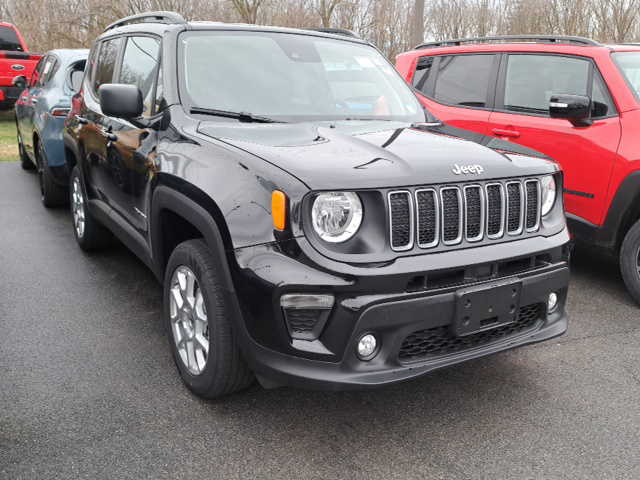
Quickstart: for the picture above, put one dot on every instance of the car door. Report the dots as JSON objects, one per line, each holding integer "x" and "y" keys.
{"x": 458, "y": 89}
{"x": 525, "y": 85}
{"x": 131, "y": 145}
{"x": 102, "y": 66}
{"x": 25, "y": 106}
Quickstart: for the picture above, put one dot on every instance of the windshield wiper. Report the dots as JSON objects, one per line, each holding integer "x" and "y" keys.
{"x": 244, "y": 117}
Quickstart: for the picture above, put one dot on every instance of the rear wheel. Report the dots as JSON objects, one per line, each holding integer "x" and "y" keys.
{"x": 52, "y": 194}
{"x": 630, "y": 260}
{"x": 89, "y": 234}
{"x": 197, "y": 322}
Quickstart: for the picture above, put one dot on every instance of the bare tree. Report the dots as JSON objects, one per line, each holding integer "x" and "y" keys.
{"x": 248, "y": 9}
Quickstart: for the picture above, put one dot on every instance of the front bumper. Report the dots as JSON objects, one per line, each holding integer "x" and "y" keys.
{"x": 384, "y": 305}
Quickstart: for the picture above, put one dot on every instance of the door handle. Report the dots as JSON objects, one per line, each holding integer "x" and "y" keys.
{"x": 505, "y": 133}
{"x": 24, "y": 99}
{"x": 108, "y": 135}
{"x": 82, "y": 120}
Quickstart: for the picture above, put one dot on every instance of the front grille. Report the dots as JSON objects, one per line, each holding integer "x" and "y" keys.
{"x": 449, "y": 215}
{"x": 437, "y": 341}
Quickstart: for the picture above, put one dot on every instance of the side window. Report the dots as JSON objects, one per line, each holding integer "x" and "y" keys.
{"x": 50, "y": 68}
{"x": 601, "y": 103}
{"x": 106, "y": 63}
{"x": 140, "y": 65}
{"x": 464, "y": 80}
{"x": 37, "y": 72}
{"x": 532, "y": 79}
{"x": 421, "y": 75}
{"x": 91, "y": 63}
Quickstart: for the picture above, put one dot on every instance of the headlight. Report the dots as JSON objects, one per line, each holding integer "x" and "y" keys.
{"x": 548, "y": 191}
{"x": 336, "y": 216}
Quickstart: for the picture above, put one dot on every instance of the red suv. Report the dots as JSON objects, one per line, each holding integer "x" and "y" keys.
{"x": 571, "y": 98}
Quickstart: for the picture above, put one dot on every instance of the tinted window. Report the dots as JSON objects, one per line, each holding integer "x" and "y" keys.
{"x": 421, "y": 75}
{"x": 50, "y": 68}
{"x": 532, "y": 79}
{"x": 140, "y": 67}
{"x": 37, "y": 72}
{"x": 464, "y": 80}
{"x": 601, "y": 105}
{"x": 9, "y": 40}
{"x": 106, "y": 63}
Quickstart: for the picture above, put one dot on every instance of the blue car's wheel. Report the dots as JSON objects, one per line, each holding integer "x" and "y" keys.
{"x": 53, "y": 195}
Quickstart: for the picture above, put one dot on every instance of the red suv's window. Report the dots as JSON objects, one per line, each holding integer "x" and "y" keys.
{"x": 463, "y": 80}
{"x": 531, "y": 80}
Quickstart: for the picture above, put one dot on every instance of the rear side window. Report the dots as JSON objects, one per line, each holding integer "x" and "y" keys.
{"x": 532, "y": 79}
{"x": 421, "y": 75}
{"x": 106, "y": 63}
{"x": 51, "y": 66}
{"x": 464, "y": 80}
{"x": 9, "y": 40}
{"x": 37, "y": 72}
{"x": 140, "y": 65}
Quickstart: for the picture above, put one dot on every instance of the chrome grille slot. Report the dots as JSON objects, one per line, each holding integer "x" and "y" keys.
{"x": 451, "y": 215}
{"x": 428, "y": 217}
{"x": 474, "y": 213}
{"x": 532, "y": 189}
{"x": 401, "y": 220}
{"x": 495, "y": 210}
{"x": 515, "y": 208}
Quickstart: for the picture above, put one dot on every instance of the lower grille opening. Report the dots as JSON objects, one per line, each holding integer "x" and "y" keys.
{"x": 437, "y": 341}
{"x": 303, "y": 320}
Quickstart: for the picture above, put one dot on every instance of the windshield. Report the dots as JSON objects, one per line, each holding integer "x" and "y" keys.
{"x": 629, "y": 65}
{"x": 9, "y": 40}
{"x": 292, "y": 77}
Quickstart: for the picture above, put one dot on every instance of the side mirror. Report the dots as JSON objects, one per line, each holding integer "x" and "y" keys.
{"x": 575, "y": 108}
{"x": 122, "y": 101}
{"x": 76, "y": 80}
{"x": 20, "y": 81}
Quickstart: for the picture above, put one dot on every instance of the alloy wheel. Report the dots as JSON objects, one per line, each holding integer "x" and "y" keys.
{"x": 77, "y": 200}
{"x": 189, "y": 323}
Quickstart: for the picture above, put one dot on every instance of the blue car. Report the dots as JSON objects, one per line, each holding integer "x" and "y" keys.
{"x": 41, "y": 111}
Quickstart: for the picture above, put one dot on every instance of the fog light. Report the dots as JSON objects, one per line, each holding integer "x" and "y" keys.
{"x": 367, "y": 346}
{"x": 553, "y": 302}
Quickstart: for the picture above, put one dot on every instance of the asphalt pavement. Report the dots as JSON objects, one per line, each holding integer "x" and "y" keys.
{"x": 88, "y": 387}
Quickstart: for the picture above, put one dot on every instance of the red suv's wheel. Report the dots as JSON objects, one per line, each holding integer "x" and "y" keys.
{"x": 630, "y": 260}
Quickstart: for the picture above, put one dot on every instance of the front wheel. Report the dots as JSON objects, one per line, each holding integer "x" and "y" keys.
{"x": 630, "y": 260}
{"x": 198, "y": 327}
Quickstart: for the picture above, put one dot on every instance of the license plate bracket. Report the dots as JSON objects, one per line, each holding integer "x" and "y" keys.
{"x": 486, "y": 307}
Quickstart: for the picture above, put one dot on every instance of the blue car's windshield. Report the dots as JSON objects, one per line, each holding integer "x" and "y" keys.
{"x": 292, "y": 77}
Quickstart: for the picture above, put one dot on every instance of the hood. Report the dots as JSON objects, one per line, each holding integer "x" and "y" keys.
{"x": 378, "y": 154}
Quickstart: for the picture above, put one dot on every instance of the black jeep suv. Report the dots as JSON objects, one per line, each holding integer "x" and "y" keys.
{"x": 311, "y": 223}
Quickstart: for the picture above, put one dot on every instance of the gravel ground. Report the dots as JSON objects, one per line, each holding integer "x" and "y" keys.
{"x": 88, "y": 388}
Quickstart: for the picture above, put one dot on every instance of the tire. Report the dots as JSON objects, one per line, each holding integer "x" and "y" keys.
{"x": 25, "y": 162}
{"x": 630, "y": 260}
{"x": 52, "y": 194}
{"x": 198, "y": 313}
{"x": 89, "y": 234}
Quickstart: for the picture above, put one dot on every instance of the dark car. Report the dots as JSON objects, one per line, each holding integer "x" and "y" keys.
{"x": 41, "y": 111}
{"x": 311, "y": 223}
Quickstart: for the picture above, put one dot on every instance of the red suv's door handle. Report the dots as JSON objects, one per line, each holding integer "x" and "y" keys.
{"x": 505, "y": 133}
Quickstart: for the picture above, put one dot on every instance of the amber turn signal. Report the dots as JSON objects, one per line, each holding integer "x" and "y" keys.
{"x": 279, "y": 209}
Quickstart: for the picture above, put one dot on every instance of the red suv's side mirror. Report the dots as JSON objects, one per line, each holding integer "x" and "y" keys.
{"x": 575, "y": 108}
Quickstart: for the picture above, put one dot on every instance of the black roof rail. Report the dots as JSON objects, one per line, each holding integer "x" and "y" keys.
{"x": 156, "y": 17}
{"x": 506, "y": 38}
{"x": 335, "y": 31}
